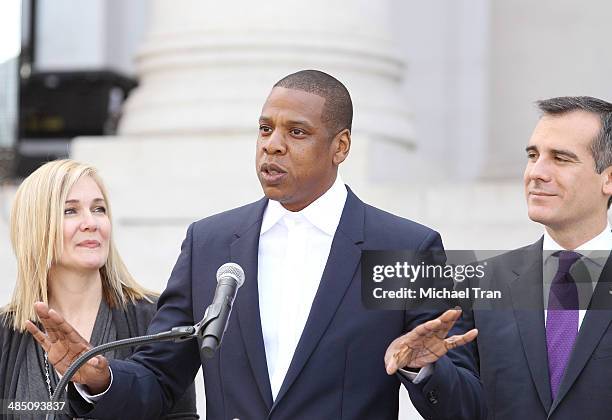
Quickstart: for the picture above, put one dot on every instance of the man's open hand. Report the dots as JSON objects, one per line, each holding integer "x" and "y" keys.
{"x": 64, "y": 345}
{"x": 426, "y": 343}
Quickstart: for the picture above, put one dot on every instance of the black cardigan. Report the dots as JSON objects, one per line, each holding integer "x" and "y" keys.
{"x": 131, "y": 322}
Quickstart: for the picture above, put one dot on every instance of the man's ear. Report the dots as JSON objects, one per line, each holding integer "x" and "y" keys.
{"x": 607, "y": 181}
{"x": 342, "y": 146}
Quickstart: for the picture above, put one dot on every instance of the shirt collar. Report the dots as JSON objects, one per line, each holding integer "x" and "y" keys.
{"x": 323, "y": 213}
{"x": 601, "y": 242}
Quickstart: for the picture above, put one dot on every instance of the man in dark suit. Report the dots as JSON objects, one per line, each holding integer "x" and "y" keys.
{"x": 546, "y": 349}
{"x": 300, "y": 344}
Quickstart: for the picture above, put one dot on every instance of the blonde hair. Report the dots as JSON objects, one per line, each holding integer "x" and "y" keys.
{"x": 37, "y": 217}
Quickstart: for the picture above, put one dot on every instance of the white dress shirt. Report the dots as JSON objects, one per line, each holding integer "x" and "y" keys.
{"x": 293, "y": 251}
{"x": 595, "y": 253}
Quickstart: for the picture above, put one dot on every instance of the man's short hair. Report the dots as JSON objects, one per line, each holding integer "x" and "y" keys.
{"x": 601, "y": 145}
{"x": 338, "y": 108}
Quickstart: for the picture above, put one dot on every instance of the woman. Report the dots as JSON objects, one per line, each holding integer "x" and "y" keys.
{"x": 61, "y": 233}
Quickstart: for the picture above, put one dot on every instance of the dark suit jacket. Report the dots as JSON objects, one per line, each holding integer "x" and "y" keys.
{"x": 513, "y": 353}
{"x": 337, "y": 371}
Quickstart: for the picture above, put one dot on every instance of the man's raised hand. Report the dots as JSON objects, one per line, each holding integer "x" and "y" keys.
{"x": 64, "y": 345}
{"x": 426, "y": 343}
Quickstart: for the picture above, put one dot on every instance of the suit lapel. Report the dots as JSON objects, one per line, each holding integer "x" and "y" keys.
{"x": 528, "y": 304}
{"x": 342, "y": 263}
{"x": 595, "y": 322}
{"x": 243, "y": 251}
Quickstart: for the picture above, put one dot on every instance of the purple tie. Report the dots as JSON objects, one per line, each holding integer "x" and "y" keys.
{"x": 561, "y": 319}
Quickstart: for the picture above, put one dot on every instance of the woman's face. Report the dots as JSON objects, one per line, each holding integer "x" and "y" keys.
{"x": 87, "y": 227}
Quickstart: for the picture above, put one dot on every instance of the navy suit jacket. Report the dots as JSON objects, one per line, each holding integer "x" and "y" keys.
{"x": 513, "y": 352}
{"x": 337, "y": 371}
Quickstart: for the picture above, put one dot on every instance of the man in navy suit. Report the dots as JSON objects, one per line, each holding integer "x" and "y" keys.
{"x": 545, "y": 350}
{"x": 299, "y": 344}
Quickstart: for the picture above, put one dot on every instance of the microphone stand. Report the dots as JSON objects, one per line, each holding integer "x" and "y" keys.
{"x": 176, "y": 334}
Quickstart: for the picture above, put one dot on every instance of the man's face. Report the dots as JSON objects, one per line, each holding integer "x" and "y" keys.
{"x": 295, "y": 154}
{"x": 562, "y": 188}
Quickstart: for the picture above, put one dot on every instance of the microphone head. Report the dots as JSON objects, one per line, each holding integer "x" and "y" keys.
{"x": 232, "y": 270}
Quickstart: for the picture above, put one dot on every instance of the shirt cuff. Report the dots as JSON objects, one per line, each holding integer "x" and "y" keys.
{"x": 418, "y": 377}
{"x": 93, "y": 398}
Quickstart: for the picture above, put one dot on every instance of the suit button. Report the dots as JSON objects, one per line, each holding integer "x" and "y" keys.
{"x": 432, "y": 396}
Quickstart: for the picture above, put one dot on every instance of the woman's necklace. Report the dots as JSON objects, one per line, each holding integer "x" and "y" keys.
{"x": 48, "y": 376}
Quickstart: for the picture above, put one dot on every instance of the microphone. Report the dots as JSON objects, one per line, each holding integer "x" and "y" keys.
{"x": 230, "y": 277}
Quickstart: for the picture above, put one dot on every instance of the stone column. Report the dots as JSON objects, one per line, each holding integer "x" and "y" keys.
{"x": 206, "y": 67}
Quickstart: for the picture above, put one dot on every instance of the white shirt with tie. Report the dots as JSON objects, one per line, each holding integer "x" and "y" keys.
{"x": 593, "y": 260}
